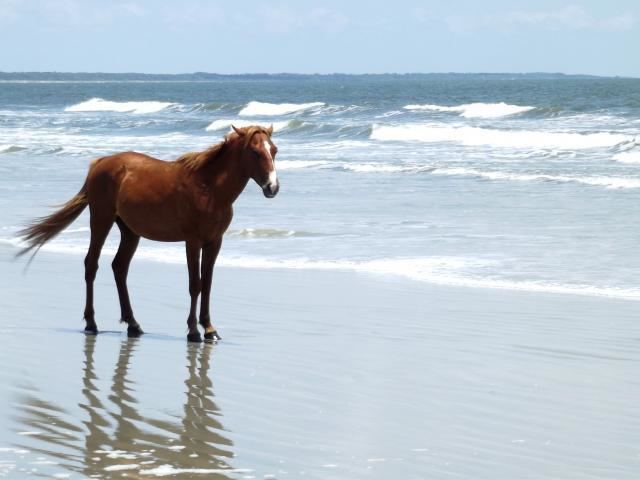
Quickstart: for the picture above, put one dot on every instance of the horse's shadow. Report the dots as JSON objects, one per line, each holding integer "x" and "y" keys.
{"x": 116, "y": 433}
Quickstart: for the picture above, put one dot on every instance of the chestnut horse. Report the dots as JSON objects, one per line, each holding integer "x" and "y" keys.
{"x": 188, "y": 200}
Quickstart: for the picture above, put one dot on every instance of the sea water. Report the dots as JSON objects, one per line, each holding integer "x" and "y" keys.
{"x": 524, "y": 182}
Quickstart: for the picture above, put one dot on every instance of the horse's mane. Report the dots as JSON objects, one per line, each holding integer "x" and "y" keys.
{"x": 195, "y": 160}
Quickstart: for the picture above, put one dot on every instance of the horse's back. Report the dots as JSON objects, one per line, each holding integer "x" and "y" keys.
{"x": 114, "y": 166}
{"x": 108, "y": 174}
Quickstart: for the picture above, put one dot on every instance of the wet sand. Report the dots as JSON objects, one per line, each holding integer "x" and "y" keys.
{"x": 327, "y": 375}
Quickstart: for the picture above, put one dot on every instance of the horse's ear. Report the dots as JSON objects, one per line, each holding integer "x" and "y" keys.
{"x": 270, "y": 130}
{"x": 239, "y": 131}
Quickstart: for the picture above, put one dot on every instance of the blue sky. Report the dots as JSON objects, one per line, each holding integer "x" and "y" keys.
{"x": 249, "y": 36}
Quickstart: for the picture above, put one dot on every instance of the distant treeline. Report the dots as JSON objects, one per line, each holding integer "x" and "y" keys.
{"x": 203, "y": 76}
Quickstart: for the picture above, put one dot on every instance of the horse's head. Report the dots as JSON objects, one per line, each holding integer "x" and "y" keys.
{"x": 258, "y": 158}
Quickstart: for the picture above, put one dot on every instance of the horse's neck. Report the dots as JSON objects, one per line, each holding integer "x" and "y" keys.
{"x": 224, "y": 177}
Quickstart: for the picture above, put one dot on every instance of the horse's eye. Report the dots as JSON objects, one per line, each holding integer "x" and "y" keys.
{"x": 256, "y": 154}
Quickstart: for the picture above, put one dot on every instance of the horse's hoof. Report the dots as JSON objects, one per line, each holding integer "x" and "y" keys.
{"x": 212, "y": 337}
{"x": 194, "y": 337}
{"x": 91, "y": 330}
{"x": 134, "y": 331}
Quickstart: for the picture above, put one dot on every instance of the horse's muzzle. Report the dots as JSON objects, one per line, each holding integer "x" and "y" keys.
{"x": 270, "y": 190}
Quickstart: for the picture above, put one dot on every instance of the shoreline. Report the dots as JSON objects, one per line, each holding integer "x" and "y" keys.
{"x": 375, "y": 269}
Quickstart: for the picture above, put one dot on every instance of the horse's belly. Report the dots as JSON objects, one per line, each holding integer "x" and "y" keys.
{"x": 150, "y": 220}
{"x": 153, "y": 228}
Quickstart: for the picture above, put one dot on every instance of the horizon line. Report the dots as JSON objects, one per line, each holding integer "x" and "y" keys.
{"x": 195, "y": 73}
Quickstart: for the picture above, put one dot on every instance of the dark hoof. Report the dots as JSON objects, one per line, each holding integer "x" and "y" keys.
{"x": 194, "y": 337}
{"x": 134, "y": 331}
{"x": 91, "y": 330}
{"x": 212, "y": 337}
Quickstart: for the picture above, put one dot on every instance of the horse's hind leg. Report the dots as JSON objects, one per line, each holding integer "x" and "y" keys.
{"x": 100, "y": 226}
{"x": 128, "y": 245}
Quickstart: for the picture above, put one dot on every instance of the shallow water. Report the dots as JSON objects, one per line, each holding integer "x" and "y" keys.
{"x": 518, "y": 182}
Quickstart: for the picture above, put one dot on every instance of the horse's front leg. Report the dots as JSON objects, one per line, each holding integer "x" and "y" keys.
{"x": 193, "y": 265}
{"x": 209, "y": 254}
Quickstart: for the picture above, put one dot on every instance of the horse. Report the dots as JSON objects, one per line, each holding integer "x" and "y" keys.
{"x": 186, "y": 200}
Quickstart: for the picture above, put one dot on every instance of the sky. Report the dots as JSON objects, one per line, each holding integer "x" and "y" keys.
{"x": 334, "y": 36}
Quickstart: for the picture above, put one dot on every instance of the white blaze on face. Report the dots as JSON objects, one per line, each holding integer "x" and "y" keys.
{"x": 273, "y": 177}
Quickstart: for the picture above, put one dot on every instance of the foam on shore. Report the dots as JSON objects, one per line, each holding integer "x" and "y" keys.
{"x": 437, "y": 270}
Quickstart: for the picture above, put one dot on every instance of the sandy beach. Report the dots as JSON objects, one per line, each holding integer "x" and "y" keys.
{"x": 319, "y": 375}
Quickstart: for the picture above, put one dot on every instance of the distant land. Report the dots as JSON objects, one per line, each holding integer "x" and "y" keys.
{"x": 203, "y": 76}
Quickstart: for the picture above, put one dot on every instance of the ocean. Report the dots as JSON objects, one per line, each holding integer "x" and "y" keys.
{"x": 517, "y": 182}
{"x": 423, "y": 298}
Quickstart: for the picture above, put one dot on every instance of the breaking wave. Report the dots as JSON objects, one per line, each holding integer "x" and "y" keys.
{"x": 378, "y": 167}
{"x": 10, "y": 148}
{"x": 607, "y": 182}
{"x": 299, "y": 164}
{"x": 628, "y": 157}
{"x": 476, "y": 110}
{"x": 475, "y": 136}
{"x": 253, "y": 109}
{"x": 225, "y": 124}
{"x": 100, "y": 105}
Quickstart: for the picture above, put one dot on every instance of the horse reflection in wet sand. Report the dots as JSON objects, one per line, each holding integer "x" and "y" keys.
{"x": 122, "y": 439}
{"x": 187, "y": 200}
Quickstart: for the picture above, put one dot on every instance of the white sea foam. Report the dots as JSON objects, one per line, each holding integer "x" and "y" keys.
{"x": 19, "y": 451}
{"x": 474, "y": 136}
{"x": 225, "y": 124}
{"x": 438, "y": 270}
{"x": 452, "y": 271}
{"x": 476, "y": 110}
{"x": 126, "y": 456}
{"x": 265, "y": 233}
{"x": 607, "y": 182}
{"x": 372, "y": 167}
{"x": 298, "y": 164}
{"x": 100, "y": 105}
{"x": 76, "y": 230}
{"x": 119, "y": 468}
{"x": 628, "y": 157}
{"x": 50, "y": 140}
{"x": 253, "y": 109}
{"x": 170, "y": 470}
{"x": 379, "y": 168}
{"x": 406, "y": 168}
{"x": 11, "y": 148}
{"x": 118, "y": 454}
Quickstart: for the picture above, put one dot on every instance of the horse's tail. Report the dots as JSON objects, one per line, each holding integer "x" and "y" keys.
{"x": 41, "y": 230}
